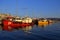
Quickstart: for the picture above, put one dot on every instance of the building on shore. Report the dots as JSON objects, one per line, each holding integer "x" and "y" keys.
{"x": 3, "y": 15}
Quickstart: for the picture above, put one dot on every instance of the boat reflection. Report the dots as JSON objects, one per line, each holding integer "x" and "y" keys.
{"x": 7, "y": 28}
{"x": 50, "y": 23}
{"x": 25, "y": 28}
{"x": 42, "y": 25}
{"x": 0, "y": 28}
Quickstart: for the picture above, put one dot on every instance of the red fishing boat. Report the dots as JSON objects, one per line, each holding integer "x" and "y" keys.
{"x": 14, "y": 24}
{"x": 10, "y": 21}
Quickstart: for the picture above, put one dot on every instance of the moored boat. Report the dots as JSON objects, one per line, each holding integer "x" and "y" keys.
{"x": 15, "y": 24}
{"x": 50, "y": 21}
{"x": 45, "y": 21}
{"x": 27, "y": 20}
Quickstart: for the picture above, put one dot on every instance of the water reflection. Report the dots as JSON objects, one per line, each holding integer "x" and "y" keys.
{"x": 23, "y": 28}
{"x": 33, "y": 32}
{"x": 27, "y": 28}
{"x": 9, "y": 28}
{"x": 0, "y": 27}
{"x": 50, "y": 23}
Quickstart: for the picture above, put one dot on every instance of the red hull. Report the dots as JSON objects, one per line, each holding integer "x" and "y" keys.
{"x": 15, "y": 24}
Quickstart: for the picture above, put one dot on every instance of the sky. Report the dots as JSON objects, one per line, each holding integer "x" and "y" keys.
{"x": 32, "y": 8}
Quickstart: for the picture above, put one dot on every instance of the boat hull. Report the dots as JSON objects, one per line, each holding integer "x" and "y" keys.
{"x": 40, "y": 22}
{"x": 15, "y": 24}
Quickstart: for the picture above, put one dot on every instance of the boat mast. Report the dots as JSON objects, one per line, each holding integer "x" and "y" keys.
{"x": 32, "y": 13}
{"x": 16, "y": 7}
{"x": 0, "y": 11}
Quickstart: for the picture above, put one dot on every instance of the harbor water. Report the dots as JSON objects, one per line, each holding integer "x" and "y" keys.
{"x": 35, "y": 32}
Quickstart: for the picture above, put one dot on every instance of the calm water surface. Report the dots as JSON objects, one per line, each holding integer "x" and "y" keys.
{"x": 36, "y": 32}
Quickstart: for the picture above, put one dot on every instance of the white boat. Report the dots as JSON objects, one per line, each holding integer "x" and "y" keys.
{"x": 17, "y": 19}
{"x": 27, "y": 20}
